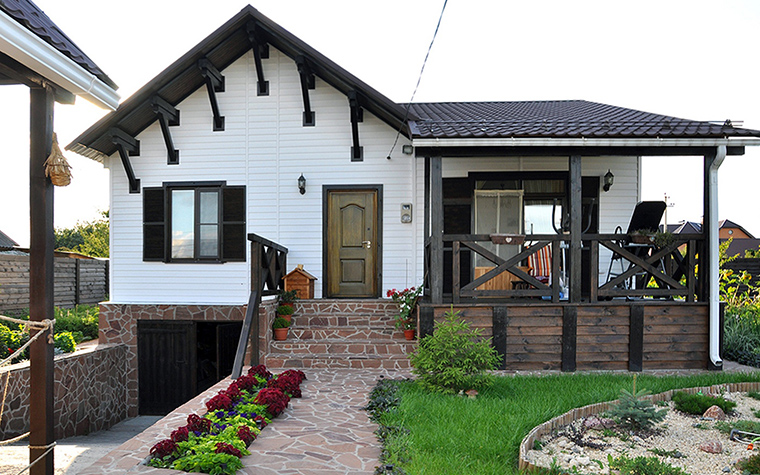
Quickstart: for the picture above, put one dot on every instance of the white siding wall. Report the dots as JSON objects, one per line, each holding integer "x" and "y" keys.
{"x": 265, "y": 147}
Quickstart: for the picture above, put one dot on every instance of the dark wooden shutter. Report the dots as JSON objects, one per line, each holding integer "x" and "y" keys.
{"x": 154, "y": 224}
{"x": 233, "y": 223}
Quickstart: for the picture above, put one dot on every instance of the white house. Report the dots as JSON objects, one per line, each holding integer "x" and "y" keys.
{"x": 255, "y": 132}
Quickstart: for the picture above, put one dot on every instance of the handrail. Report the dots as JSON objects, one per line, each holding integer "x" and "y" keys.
{"x": 660, "y": 271}
{"x": 268, "y": 266}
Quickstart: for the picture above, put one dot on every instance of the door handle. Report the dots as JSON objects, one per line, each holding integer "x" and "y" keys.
{"x": 366, "y": 244}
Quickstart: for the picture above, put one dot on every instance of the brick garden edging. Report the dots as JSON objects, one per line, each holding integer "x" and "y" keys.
{"x": 580, "y": 412}
{"x": 90, "y": 392}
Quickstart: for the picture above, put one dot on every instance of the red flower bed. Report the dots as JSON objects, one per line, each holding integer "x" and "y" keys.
{"x": 226, "y": 408}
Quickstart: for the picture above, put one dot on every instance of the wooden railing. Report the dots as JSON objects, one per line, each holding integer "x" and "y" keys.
{"x": 268, "y": 267}
{"x": 639, "y": 270}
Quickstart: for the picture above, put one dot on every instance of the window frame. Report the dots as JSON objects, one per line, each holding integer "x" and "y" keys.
{"x": 222, "y": 189}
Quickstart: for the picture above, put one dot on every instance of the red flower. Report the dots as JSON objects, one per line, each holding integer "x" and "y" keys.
{"x": 275, "y": 400}
{"x": 260, "y": 370}
{"x": 196, "y": 423}
{"x": 181, "y": 434}
{"x": 247, "y": 382}
{"x": 220, "y": 401}
{"x": 222, "y": 448}
{"x": 163, "y": 448}
{"x": 246, "y": 434}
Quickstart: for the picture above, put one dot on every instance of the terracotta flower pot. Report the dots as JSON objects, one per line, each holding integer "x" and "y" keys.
{"x": 287, "y": 317}
{"x": 409, "y": 334}
{"x": 281, "y": 334}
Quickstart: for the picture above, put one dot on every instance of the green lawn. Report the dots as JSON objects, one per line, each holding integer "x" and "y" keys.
{"x": 457, "y": 435}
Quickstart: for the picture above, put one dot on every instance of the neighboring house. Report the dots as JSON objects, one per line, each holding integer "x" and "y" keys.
{"x": 214, "y": 148}
{"x": 6, "y": 243}
{"x": 729, "y": 229}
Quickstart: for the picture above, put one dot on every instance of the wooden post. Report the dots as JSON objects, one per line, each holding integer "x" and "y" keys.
{"x": 41, "y": 280}
{"x": 569, "y": 337}
{"x": 575, "y": 228}
{"x": 636, "y": 339}
{"x": 500, "y": 316}
{"x": 256, "y": 286}
{"x": 436, "y": 229}
{"x": 426, "y": 230}
{"x": 427, "y": 320}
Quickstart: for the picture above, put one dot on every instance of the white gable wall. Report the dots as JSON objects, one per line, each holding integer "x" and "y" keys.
{"x": 265, "y": 147}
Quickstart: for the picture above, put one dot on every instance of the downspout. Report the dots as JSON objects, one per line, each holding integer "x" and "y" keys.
{"x": 713, "y": 243}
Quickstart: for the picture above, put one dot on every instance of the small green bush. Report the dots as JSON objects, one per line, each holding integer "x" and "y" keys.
{"x": 455, "y": 357}
{"x": 65, "y": 342}
{"x": 749, "y": 466}
{"x": 633, "y": 412}
{"x": 697, "y": 404}
{"x": 82, "y": 318}
{"x": 742, "y": 425}
{"x": 284, "y": 310}
{"x": 642, "y": 466}
{"x": 280, "y": 322}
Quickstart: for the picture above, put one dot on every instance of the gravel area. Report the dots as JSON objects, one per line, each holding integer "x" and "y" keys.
{"x": 679, "y": 432}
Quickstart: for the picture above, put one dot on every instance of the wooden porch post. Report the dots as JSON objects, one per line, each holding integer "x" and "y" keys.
{"x": 436, "y": 230}
{"x": 575, "y": 228}
{"x": 41, "y": 296}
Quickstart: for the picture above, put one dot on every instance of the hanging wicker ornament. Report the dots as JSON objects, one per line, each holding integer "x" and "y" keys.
{"x": 56, "y": 166}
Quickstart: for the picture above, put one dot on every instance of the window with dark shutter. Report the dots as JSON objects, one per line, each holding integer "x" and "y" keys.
{"x": 194, "y": 222}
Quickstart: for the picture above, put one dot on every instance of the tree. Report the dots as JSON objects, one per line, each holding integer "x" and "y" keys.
{"x": 89, "y": 237}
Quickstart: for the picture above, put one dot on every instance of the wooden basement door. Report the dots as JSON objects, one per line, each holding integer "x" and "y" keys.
{"x": 352, "y": 247}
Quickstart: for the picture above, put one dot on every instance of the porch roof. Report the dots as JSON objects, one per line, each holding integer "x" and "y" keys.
{"x": 558, "y": 119}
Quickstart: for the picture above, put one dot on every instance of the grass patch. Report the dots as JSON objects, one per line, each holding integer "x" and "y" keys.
{"x": 453, "y": 435}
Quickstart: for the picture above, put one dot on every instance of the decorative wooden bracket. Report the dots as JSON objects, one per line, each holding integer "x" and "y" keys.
{"x": 168, "y": 116}
{"x": 357, "y": 115}
{"x": 127, "y": 146}
{"x": 307, "y": 82}
{"x": 214, "y": 84}
{"x": 260, "y": 51}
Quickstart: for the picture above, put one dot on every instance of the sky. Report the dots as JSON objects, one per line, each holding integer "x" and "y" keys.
{"x": 691, "y": 59}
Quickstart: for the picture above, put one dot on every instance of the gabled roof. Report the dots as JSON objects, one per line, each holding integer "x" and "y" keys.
{"x": 26, "y": 13}
{"x": 727, "y": 223}
{"x": 222, "y": 47}
{"x": 689, "y": 227}
{"x": 6, "y": 243}
{"x": 556, "y": 119}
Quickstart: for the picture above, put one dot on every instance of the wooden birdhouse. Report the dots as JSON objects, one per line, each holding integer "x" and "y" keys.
{"x": 300, "y": 281}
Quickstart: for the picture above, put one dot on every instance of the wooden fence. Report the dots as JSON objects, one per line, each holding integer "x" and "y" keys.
{"x": 77, "y": 281}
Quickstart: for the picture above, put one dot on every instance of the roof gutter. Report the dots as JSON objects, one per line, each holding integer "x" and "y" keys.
{"x": 30, "y": 50}
{"x": 584, "y": 142}
{"x": 714, "y": 243}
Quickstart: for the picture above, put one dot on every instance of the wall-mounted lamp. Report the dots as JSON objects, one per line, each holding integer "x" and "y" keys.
{"x": 302, "y": 184}
{"x": 609, "y": 179}
{"x": 407, "y": 149}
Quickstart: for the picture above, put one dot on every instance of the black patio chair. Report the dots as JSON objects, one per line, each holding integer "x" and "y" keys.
{"x": 646, "y": 216}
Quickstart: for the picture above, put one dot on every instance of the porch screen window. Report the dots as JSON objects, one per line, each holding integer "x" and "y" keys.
{"x": 194, "y": 223}
{"x": 498, "y": 212}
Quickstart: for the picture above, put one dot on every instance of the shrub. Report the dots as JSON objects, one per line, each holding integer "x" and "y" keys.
{"x": 65, "y": 342}
{"x": 82, "y": 318}
{"x": 642, "y": 466}
{"x": 750, "y": 465}
{"x": 697, "y": 404}
{"x": 742, "y": 334}
{"x": 280, "y": 322}
{"x": 284, "y": 310}
{"x": 635, "y": 413}
{"x": 454, "y": 357}
{"x": 742, "y": 425}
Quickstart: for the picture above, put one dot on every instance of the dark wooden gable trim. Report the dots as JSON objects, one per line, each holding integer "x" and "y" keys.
{"x": 214, "y": 84}
{"x": 357, "y": 115}
{"x": 168, "y": 116}
{"x": 127, "y": 146}
{"x": 17, "y": 73}
{"x": 260, "y": 51}
{"x": 307, "y": 82}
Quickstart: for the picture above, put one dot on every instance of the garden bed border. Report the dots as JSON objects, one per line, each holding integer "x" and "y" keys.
{"x": 580, "y": 412}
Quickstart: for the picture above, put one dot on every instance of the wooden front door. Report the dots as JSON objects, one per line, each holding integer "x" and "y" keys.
{"x": 351, "y": 242}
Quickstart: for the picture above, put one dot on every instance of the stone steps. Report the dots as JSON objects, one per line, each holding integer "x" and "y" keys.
{"x": 342, "y": 334}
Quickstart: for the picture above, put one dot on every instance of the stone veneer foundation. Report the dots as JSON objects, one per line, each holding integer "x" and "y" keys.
{"x": 90, "y": 392}
{"x": 118, "y": 325}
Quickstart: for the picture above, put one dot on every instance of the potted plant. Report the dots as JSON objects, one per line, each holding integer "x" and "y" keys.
{"x": 642, "y": 236}
{"x": 407, "y": 301}
{"x": 280, "y": 327}
{"x": 285, "y": 311}
{"x": 287, "y": 297}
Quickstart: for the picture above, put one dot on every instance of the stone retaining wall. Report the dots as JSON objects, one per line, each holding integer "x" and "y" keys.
{"x": 118, "y": 325}
{"x": 90, "y": 392}
{"x": 581, "y": 412}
